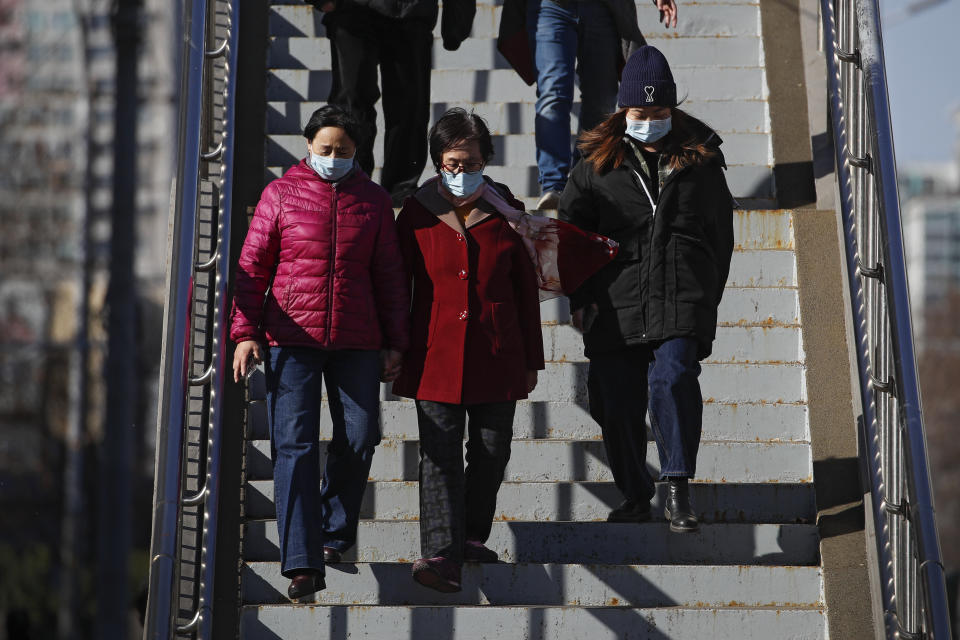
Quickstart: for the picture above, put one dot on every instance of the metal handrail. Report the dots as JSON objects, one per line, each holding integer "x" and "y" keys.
{"x": 175, "y": 382}
{"x": 160, "y": 621}
{"x": 220, "y": 332}
{"x": 912, "y": 584}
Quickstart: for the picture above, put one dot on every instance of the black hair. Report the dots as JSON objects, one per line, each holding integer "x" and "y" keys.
{"x": 455, "y": 127}
{"x": 334, "y": 116}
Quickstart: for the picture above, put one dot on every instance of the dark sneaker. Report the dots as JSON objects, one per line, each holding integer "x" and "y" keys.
{"x": 331, "y": 555}
{"x": 439, "y": 574}
{"x": 304, "y": 585}
{"x": 630, "y": 511}
{"x": 476, "y": 551}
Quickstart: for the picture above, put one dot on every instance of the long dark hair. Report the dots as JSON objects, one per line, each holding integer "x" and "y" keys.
{"x": 455, "y": 127}
{"x": 684, "y": 146}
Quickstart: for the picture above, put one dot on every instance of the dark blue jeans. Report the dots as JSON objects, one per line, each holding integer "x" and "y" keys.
{"x": 310, "y": 517}
{"x": 580, "y": 36}
{"x": 620, "y": 384}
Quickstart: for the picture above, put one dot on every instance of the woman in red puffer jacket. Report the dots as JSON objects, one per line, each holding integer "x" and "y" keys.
{"x": 320, "y": 280}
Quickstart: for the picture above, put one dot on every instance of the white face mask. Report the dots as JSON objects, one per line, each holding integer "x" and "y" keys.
{"x": 330, "y": 168}
{"x": 648, "y": 130}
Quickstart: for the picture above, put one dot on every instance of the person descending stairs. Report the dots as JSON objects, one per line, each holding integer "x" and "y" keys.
{"x": 752, "y": 569}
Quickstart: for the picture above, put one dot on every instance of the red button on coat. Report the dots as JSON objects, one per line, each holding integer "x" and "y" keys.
{"x": 460, "y": 237}
{"x": 463, "y": 274}
{"x": 464, "y": 315}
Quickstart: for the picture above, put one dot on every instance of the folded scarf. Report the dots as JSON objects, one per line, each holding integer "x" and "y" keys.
{"x": 563, "y": 255}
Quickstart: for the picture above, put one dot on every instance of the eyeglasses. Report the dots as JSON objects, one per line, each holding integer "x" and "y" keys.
{"x": 466, "y": 167}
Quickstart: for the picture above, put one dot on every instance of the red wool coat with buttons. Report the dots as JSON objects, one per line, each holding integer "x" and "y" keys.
{"x": 332, "y": 253}
{"x": 475, "y": 316}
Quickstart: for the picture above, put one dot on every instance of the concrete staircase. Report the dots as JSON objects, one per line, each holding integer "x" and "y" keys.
{"x": 716, "y": 54}
{"x": 753, "y": 571}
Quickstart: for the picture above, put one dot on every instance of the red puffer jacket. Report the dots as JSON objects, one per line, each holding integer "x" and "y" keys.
{"x": 332, "y": 252}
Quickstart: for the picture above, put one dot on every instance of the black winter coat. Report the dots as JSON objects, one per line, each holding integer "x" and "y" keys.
{"x": 454, "y": 28}
{"x": 669, "y": 276}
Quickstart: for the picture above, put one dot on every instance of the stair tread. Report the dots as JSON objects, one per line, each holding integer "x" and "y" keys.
{"x": 269, "y": 622}
{"x": 583, "y": 542}
{"x": 544, "y": 584}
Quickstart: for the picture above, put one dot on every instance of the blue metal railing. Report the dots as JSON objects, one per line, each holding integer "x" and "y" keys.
{"x": 913, "y": 590}
{"x": 175, "y": 381}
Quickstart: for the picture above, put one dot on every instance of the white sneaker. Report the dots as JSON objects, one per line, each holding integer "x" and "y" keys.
{"x": 549, "y": 200}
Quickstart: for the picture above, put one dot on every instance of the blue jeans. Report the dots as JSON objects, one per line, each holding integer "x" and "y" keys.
{"x": 310, "y": 517}
{"x": 619, "y": 385}
{"x": 581, "y": 35}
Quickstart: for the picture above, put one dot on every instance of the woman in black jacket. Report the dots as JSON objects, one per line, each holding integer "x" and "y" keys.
{"x": 651, "y": 178}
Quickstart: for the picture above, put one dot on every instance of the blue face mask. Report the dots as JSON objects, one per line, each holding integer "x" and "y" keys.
{"x": 462, "y": 184}
{"x": 648, "y": 130}
{"x": 331, "y": 168}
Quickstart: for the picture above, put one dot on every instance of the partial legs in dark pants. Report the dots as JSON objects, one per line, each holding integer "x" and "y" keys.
{"x": 361, "y": 40}
{"x": 457, "y": 506}
{"x": 619, "y": 385}
{"x": 308, "y": 517}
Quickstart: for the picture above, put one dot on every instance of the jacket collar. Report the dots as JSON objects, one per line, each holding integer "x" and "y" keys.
{"x": 432, "y": 201}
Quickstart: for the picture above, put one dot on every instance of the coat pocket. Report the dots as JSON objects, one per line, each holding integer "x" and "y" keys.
{"x": 432, "y": 325}
{"x": 695, "y": 277}
{"x": 506, "y": 329}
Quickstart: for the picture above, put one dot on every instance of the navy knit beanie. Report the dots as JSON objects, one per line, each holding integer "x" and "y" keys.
{"x": 646, "y": 80}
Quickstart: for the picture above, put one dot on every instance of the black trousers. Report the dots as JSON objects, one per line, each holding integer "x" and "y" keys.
{"x": 361, "y": 41}
{"x": 622, "y": 385}
{"x": 456, "y": 506}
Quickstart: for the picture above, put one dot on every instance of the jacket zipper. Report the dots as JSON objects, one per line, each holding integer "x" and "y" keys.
{"x": 333, "y": 265}
{"x": 646, "y": 311}
{"x": 653, "y": 216}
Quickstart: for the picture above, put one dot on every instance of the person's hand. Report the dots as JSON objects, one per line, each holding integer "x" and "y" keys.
{"x": 391, "y": 362}
{"x": 246, "y": 351}
{"x": 668, "y": 12}
{"x": 576, "y": 318}
{"x": 531, "y": 380}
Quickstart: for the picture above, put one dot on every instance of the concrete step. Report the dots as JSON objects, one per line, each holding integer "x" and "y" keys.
{"x": 580, "y": 542}
{"x": 769, "y": 383}
{"x": 585, "y": 461}
{"x": 519, "y": 149}
{"x": 579, "y": 501}
{"x": 721, "y": 20}
{"x": 557, "y": 585}
{"x": 569, "y": 420}
{"x": 299, "y": 52}
{"x": 695, "y": 83}
{"x": 729, "y": 383}
{"x": 506, "y": 117}
{"x": 285, "y": 622}
{"x": 735, "y": 343}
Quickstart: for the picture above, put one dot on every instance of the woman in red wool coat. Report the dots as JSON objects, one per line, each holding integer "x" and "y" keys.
{"x": 475, "y": 344}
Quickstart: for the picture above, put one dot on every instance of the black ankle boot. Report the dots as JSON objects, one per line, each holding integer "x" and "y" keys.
{"x": 678, "y": 509}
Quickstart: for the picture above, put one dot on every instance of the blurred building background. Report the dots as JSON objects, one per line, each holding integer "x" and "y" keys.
{"x": 57, "y": 98}
{"x": 930, "y": 197}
